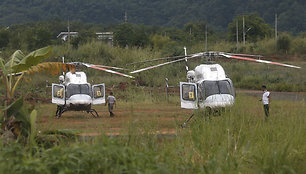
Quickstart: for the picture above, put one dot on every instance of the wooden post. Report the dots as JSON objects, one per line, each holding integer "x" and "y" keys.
{"x": 167, "y": 98}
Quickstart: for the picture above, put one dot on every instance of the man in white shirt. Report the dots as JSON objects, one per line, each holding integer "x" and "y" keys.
{"x": 111, "y": 101}
{"x": 265, "y": 100}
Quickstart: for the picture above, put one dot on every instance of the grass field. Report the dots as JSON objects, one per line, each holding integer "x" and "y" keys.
{"x": 239, "y": 141}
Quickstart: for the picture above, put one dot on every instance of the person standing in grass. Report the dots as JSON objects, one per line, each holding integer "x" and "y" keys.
{"x": 111, "y": 101}
{"x": 265, "y": 100}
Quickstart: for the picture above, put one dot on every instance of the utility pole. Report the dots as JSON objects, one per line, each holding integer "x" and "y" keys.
{"x": 190, "y": 35}
{"x": 237, "y": 37}
{"x": 275, "y": 31}
{"x": 206, "y": 38}
{"x": 68, "y": 27}
{"x": 243, "y": 30}
{"x": 125, "y": 17}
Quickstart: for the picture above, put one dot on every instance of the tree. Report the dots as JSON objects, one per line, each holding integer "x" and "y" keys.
{"x": 284, "y": 42}
{"x": 159, "y": 42}
{"x": 141, "y": 37}
{"x": 14, "y": 115}
{"x": 124, "y": 35}
{"x": 17, "y": 118}
{"x": 255, "y": 28}
{"x": 197, "y": 30}
{"x": 18, "y": 62}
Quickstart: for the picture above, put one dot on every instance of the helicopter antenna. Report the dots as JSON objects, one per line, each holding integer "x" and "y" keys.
{"x": 186, "y": 61}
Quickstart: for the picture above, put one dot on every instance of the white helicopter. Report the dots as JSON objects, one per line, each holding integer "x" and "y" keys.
{"x": 74, "y": 93}
{"x": 207, "y": 85}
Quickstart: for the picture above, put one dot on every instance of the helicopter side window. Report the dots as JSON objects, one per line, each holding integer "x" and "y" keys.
{"x": 188, "y": 92}
{"x": 58, "y": 91}
{"x": 98, "y": 91}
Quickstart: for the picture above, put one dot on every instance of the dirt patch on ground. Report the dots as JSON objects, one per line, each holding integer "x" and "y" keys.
{"x": 164, "y": 121}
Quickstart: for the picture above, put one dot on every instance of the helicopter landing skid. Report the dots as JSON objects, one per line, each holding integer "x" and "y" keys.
{"x": 93, "y": 112}
{"x": 61, "y": 109}
{"x": 185, "y": 123}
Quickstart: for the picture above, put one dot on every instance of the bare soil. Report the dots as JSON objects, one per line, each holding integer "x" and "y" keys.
{"x": 164, "y": 120}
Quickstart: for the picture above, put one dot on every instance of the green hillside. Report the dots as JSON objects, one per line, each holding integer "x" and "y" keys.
{"x": 168, "y": 13}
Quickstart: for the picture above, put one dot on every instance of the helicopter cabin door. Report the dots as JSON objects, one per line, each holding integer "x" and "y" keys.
{"x": 58, "y": 94}
{"x": 98, "y": 94}
{"x": 188, "y": 93}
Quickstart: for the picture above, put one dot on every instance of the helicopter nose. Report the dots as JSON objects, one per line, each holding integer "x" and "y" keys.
{"x": 78, "y": 99}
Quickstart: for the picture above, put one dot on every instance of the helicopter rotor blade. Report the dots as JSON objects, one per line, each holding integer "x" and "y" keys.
{"x": 102, "y": 66}
{"x": 106, "y": 70}
{"x": 258, "y": 60}
{"x": 111, "y": 67}
{"x": 158, "y": 59}
{"x": 166, "y": 63}
{"x": 247, "y": 55}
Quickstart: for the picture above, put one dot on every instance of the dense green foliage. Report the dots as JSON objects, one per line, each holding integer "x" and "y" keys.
{"x": 255, "y": 28}
{"x": 239, "y": 141}
{"x": 169, "y": 41}
{"x": 151, "y": 12}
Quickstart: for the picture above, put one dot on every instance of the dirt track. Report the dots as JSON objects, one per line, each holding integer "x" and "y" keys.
{"x": 164, "y": 119}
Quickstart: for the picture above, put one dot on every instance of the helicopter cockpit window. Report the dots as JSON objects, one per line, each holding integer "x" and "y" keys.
{"x": 188, "y": 92}
{"x": 224, "y": 87}
{"x": 216, "y": 87}
{"x": 73, "y": 89}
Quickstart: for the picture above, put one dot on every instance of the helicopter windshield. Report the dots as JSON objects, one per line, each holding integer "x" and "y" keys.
{"x": 209, "y": 88}
{"x": 73, "y": 89}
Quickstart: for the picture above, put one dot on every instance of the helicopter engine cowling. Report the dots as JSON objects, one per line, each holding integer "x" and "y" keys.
{"x": 209, "y": 72}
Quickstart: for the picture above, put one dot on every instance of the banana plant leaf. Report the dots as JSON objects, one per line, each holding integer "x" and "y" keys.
{"x": 14, "y": 60}
{"x": 19, "y": 63}
{"x": 3, "y": 68}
